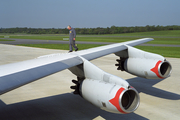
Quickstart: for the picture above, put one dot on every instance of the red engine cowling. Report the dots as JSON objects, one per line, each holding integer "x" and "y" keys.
{"x": 110, "y": 97}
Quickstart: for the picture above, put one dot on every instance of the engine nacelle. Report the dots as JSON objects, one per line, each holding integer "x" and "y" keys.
{"x": 110, "y": 97}
{"x": 148, "y": 68}
{"x": 143, "y": 64}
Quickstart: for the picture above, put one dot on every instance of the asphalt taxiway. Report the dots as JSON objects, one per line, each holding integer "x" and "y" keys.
{"x": 51, "y": 98}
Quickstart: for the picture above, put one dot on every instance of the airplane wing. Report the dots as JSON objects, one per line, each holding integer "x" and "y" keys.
{"x": 94, "y": 53}
{"x": 15, "y": 75}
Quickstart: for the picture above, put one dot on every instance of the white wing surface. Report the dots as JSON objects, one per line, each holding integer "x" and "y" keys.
{"x": 17, "y": 74}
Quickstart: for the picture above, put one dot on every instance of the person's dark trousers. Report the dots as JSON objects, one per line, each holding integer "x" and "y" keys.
{"x": 72, "y": 44}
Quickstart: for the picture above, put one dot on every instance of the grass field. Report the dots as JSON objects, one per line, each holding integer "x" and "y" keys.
{"x": 164, "y": 51}
{"x": 168, "y": 33}
{"x": 160, "y": 37}
{"x": 60, "y": 46}
{"x": 5, "y": 40}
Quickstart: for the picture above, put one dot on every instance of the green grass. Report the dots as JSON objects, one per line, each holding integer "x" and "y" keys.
{"x": 168, "y": 33}
{"x": 89, "y": 38}
{"x": 6, "y": 40}
{"x": 175, "y": 41}
{"x": 161, "y": 37}
{"x": 164, "y": 51}
{"x": 39, "y": 37}
{"x": 105, "y": 39}
{"x": 171, "y": 41}
{"x": 60, "y": 46}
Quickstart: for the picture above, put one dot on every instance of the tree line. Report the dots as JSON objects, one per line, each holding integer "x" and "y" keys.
{"x": 90, "y": 31}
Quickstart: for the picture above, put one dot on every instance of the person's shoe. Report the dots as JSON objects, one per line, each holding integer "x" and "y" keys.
{"x": 76, "y": 49}
{"x": 69, "y": 51}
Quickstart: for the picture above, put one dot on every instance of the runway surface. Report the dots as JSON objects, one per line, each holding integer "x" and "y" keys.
{"x": 51, "y": 98}
{"x": 32, "y": 41}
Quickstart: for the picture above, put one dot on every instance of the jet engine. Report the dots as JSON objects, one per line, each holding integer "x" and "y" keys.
{"x": 143, "y": 64}
{"x": 104, "y": 90}
{"x": 110, "y": 97}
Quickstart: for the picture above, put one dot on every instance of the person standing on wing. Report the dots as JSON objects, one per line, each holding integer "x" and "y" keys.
{"x": 72, "y": 37}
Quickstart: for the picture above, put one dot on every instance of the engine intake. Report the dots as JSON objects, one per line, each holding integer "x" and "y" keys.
{"x": 130, "y": 100}
{"x": 165, "y": 69}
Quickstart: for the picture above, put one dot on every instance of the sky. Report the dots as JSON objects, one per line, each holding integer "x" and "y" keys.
{"x": 88, "y": 13}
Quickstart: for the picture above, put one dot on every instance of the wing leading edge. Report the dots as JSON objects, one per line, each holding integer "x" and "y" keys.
{"x": 18, "y": 74}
